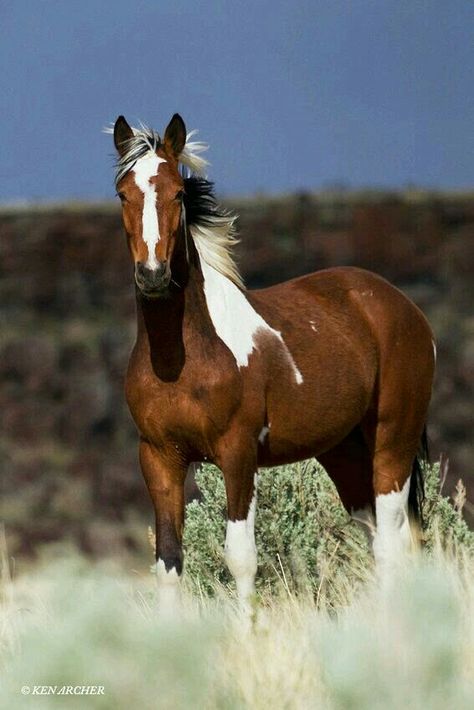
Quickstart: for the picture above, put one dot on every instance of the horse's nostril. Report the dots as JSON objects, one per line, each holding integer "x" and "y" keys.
{"x": 160, "y": 269}
{"x": 140, "y": 269}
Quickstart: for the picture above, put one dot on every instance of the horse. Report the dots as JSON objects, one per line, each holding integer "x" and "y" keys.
{"x": 337, "y": 364}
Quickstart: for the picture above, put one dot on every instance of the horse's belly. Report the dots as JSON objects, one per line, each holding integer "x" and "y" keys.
{"x": 307, "y": 419}
{"x": 293, "y": 441}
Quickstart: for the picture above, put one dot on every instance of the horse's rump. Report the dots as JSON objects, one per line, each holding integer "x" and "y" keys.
{"x": 349, "y": 330}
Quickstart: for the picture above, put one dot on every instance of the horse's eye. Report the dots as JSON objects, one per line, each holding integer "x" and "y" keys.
{"x": 122, "y": 197}
{"x": 179, "y": 196}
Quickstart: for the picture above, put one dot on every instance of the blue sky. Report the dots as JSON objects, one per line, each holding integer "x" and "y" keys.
{"x": 290, "y": 95}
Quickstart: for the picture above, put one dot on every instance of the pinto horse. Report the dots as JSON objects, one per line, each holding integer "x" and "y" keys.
{"x": 336, "y": 365}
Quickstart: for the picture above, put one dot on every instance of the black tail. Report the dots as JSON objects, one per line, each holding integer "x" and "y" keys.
{"x": 416, "y": 494}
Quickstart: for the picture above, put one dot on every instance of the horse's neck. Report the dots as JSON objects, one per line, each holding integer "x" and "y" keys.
{"x": 166, "y": 327}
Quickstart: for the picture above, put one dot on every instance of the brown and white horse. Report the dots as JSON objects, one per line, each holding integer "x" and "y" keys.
{"x": 337, "y": 364}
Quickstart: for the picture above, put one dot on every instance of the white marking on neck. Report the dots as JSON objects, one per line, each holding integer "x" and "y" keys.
{"x": 263, "y": 434}
{"x": 146, "y": 168}
{"x": 235, "y": 320}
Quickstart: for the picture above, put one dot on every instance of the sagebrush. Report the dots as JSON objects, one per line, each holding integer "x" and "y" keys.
{"x": 305, "y": 538}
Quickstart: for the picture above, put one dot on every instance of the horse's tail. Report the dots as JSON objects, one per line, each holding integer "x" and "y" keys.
{"x": 416, "y": 493}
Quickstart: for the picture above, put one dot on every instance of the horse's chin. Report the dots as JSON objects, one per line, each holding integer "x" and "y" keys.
{"x": 154, "y": 294}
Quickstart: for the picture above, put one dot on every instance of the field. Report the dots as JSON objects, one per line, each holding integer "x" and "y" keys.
{"x": 324, "y": 634}
{"x": 69, "y": 625}
{"x": 67, "y": 327}
{"x": 77, "y": 599}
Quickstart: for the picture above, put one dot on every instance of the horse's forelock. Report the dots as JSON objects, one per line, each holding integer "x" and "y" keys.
{"x": 146, "y": 139}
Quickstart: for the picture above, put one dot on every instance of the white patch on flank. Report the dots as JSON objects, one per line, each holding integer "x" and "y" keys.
{"x": 235, "y": 320}
{"x": 169, "y": 593}
{"x": 241, "y": 552}
{"x": 263, "y": 434}
{"x": 146, "y": 168}
{"x": 392, "y": 539}
{"x": 313, "y": 327}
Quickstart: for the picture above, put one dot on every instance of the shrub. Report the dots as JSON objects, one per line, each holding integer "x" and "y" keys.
{"x": 305, "y": 538}
{"x": 443, "y": 520}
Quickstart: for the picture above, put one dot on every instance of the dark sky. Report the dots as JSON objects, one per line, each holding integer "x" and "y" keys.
{"x": 290, "y": 94}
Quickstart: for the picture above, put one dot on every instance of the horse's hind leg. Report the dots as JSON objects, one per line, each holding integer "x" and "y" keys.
{"x": 394, "y": 424}
{"x": 349, "y": 465}
{"x": 393, "y": 538}
{"x": 374, "y": 490}
{"x": 395, "y": 445}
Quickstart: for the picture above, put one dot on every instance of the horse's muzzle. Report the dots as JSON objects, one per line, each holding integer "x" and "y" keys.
{"x": 152, "y": 283}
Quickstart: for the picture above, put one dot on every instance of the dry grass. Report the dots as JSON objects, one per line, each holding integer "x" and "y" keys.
{"x": 67, "y": 623}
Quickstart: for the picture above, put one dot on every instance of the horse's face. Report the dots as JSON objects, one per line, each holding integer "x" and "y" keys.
{"x": 151, "y": 192}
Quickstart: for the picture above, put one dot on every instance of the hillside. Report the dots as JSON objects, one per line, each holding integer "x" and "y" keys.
{"x": 68, "y": 446}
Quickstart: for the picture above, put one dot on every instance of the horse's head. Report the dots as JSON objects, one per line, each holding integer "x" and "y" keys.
{"x": 150, "y": 188}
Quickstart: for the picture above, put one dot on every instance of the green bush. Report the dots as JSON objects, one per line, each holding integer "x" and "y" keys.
{"x": 442, "y": 522}
{"x": 305, "y": 539}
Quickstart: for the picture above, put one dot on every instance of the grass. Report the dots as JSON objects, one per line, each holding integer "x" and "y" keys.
{"x": 326, "y": 643}
{"x": 69, "y": 624}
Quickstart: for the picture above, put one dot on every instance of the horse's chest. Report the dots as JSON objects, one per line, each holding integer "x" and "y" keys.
{"x": 195, "y": 406}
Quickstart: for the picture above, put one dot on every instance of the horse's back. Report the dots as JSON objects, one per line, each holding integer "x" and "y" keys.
{"x": 345, "y": 292}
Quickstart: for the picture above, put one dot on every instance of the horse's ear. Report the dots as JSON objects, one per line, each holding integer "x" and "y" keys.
{"x": 175, "y": 135}
{"x": 122, "y": 134}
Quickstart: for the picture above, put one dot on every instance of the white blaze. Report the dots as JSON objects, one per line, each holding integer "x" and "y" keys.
{"x": 146, "y": 168}
{"x": 235, "y": 320}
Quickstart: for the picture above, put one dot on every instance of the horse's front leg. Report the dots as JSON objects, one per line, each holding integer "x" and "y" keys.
{"x": 164, "y": 476}
{"x": 239, "y": 467}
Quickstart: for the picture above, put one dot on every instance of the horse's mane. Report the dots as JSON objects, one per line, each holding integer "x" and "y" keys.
{"x": 211, "y": 226}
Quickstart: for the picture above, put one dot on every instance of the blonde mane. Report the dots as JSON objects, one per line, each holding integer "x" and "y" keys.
{"x": 214, "y": 242}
